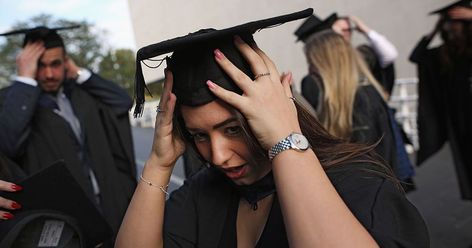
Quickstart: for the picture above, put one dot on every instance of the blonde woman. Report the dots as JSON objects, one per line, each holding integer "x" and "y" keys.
{"x": 352, "y": 102}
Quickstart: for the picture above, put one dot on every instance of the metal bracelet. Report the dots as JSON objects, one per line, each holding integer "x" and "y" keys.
{"x": 162, "y": 188}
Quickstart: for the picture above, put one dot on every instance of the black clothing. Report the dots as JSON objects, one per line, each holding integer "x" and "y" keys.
{"x": 34, "y": 136}
{"x": 385, "y": 76}
{"x": 445, "y": 109}
{"x": 312, "y": 91}
{"x": 371, "y": 123}
{"x": 202, "y": 213}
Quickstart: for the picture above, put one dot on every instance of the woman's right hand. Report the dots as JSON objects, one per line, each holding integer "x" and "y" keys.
{"x": 167, "y": 145}
{"x": 6, "y": 204}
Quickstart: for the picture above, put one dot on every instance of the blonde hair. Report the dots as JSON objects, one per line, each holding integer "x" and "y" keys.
{"x": 341, "y": 69}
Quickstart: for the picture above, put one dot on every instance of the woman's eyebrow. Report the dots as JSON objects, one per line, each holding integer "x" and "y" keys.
{"x": 218, "y": 125}
{"x": 232, "y": 119}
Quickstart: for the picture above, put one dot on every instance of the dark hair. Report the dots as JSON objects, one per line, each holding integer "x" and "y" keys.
{"x": 455, "y": 49}
{"x": 330, "y": 150}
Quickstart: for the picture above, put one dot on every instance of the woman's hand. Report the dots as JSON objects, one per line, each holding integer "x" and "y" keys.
{"x": 6, "y": 204}
{"x": 266, "y": 102}
{"x": 167, "y": 145}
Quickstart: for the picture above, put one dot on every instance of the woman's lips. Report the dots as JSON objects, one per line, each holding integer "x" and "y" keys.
{"x": 235, "y": 172}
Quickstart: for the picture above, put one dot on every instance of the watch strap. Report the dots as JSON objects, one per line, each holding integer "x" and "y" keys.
{"x": 281, "y": 146}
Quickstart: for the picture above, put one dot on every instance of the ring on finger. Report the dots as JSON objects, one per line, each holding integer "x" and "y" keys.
{"x": 261, "y": 75}
{"x": 159, "y": 110}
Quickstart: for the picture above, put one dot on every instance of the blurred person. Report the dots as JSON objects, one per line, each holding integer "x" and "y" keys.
{"x": 55, "y": 110}
{"x": 352, "y": 104}
{"x": 379, "y": 54}
{"x": 276, "y": 178}
{"x": 445, "y": 90}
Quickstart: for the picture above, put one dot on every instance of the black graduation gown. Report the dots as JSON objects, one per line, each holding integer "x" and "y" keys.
{"x": 198, "y": 214}
{"x": 47, "y": 137}
{"x": 445, "y": 110}
{"x": 371, "y": 120}
{"x": 371, "y": 123}
{"x": 385, "y": 76}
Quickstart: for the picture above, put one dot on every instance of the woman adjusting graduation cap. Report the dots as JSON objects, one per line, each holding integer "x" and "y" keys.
{"x": 275, "y": 178}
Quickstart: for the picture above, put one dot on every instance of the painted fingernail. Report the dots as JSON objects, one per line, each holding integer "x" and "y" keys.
{"x": 210, "y": 84}
{"x": 218, "y": 54}
{"x": 16, "y": 187}
{"x": 7, "y": 216}
{"x": 15, "y": 205}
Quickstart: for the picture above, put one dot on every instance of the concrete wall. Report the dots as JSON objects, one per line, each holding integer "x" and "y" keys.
{"x": 401, "y": 21}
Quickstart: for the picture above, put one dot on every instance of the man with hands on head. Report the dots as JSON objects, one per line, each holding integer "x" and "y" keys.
{"x": 55, "y": 110}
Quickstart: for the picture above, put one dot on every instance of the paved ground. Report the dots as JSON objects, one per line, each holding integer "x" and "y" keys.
{"x": 448, "y": 218}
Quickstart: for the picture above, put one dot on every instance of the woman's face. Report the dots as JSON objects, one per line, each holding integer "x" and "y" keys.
{"x": 220, "y": 139}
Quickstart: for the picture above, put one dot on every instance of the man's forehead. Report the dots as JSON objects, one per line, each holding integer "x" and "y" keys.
{"x": 52, "y": 54}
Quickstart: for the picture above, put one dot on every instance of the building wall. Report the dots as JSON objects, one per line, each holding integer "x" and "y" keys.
{"x": 402, "y": 21}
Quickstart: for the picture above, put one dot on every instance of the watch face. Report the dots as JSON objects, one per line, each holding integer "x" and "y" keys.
{"x": 299, "y": 141}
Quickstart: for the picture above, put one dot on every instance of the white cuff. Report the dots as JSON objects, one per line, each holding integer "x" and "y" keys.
{"x": 385, "y": 50}
{"x": 83, "y": 75}
{"x": 26, "y": 80}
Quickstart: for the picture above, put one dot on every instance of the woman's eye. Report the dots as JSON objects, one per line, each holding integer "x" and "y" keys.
{"x": 198, "y": 137}
{"x": 236, "y": 130}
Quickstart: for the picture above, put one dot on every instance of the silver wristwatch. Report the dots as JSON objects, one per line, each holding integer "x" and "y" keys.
{"x": 295, "y": 141}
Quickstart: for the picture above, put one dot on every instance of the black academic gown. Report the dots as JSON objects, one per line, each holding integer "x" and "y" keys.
{"x": 385, "y": 76}
{"x": 371, "y": 123}
{"x": 35, "y": 136}
{"x": 371, "y": 120}
{"x": 445, "y": 110}
{"x": 202, "y": 213}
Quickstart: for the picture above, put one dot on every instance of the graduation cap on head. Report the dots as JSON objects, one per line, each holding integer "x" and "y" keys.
{"x": 53, "y": 195}
{"x": 49, "y": 36}
{"x": 461, "y": 3}
{"x": 314, "y": 24}
{"x": 192, "y": 62}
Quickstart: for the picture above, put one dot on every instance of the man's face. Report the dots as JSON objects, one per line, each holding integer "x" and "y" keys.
{"x": 51, "y": 69}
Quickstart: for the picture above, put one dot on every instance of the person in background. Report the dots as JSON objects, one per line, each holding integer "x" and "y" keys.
{"x": 276, "y": 177}
{"x": 352, "y": 104}
{"x": 445, "y": 90}
{"x": 55, "y": 110}
{"x": 379, "y": 54}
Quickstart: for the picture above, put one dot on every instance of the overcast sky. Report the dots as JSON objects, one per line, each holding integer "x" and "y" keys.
{"x": 111, "y": 15}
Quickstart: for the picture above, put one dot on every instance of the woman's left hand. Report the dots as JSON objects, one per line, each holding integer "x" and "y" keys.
{"x": 266, "y": 101}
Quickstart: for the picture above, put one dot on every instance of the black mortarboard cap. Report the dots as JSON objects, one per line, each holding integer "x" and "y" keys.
{"x": 54, "y": 190}
{"x": 314, "y": 24}
{"x": 192, "y": 62}
{"x": 49, "y": 36}
{"x": 461, "y": 3}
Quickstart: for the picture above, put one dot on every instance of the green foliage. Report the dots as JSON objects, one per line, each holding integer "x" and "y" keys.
{"x": 118, "y": 66}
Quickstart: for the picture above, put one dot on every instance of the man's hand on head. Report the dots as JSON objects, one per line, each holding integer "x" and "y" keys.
{"x": 27, "y": 59}
{"x": 72, "y": 68}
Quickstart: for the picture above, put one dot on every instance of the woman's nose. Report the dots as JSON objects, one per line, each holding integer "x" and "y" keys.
{"x": 220, "y": 151}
